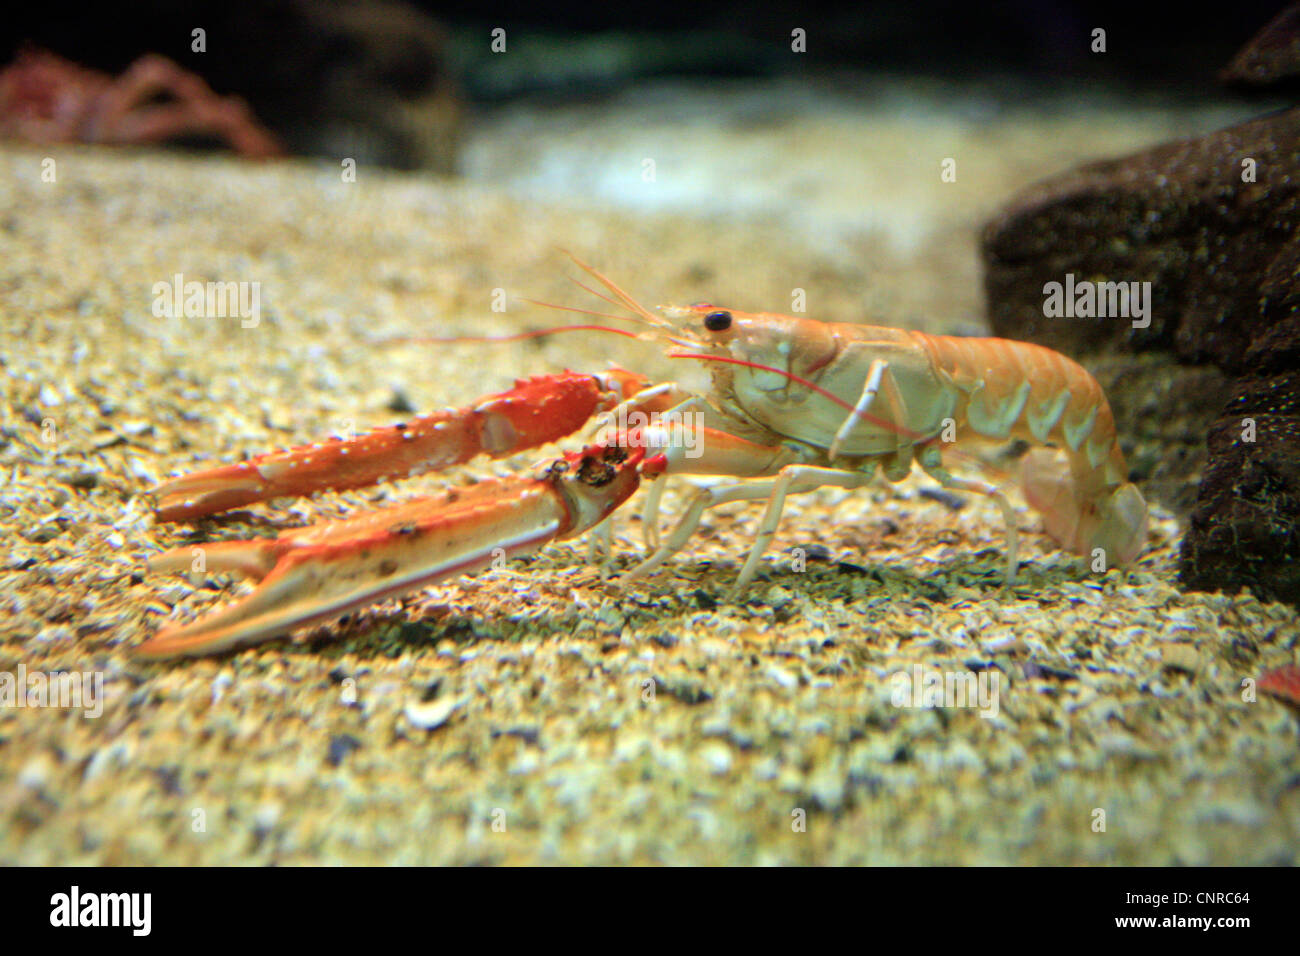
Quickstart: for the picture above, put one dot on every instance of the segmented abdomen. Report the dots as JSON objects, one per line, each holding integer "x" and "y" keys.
{"x": 1014, "y": 389}
{"x": 1020, "y": 390}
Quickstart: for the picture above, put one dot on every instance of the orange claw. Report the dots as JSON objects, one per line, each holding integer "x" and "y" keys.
{"x": 325, "y": 570}
{"x": 536, "y": 411}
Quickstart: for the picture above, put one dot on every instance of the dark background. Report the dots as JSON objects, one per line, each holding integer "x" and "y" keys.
{"x": 392, "y": 82}
{"x": 1167, "y": 49}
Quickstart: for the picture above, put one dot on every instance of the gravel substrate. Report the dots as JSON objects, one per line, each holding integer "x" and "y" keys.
{"x": 536, "y": 714}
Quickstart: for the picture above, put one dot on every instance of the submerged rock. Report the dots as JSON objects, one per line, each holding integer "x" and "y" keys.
{"x": 1243, "y": 531}
{"x": 1213, "y": 225}
{"x": 1203, "y": 220}
{"x": 1272, "y": 57}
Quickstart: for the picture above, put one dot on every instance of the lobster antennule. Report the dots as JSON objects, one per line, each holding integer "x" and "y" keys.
{"x": 643, "y": 314}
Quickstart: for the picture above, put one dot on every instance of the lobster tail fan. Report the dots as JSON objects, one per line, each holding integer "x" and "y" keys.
{"x": 1081, "y": 519}
{"x": 1122, "y": 525}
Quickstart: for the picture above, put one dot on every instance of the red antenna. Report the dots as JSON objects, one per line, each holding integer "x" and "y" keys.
{"x": 519, "y": 336}
{"x": 918, "y": 437}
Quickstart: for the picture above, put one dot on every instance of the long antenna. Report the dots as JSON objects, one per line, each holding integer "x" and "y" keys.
{"x": 518, "y": 336}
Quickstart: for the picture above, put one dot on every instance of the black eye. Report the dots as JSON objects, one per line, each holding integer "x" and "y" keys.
{"x": 717, "y": 321}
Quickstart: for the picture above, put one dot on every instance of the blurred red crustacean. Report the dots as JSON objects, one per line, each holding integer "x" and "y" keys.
{"x": 45, "y": 98}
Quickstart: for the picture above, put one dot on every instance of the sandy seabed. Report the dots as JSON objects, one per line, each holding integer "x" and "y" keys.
{"x": 505, "y": 717}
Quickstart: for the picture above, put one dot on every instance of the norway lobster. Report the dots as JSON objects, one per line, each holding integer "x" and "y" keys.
{"x": 796, "y": 404}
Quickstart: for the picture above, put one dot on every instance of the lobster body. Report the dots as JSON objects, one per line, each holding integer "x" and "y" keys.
{"x": 939, "y": 389}
{"x": 796, "y": 405}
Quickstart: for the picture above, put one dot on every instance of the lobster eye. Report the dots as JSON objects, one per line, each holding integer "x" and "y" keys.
{"x": 717, "y": 321}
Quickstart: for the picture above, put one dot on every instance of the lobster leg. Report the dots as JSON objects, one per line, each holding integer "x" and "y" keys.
{"x": 536, "y": 411}
{"x": 686, "y": 525}
{"x": 792, "y": 479}
{"x": 932, "y": 463}
{"x": 721, "y": 454}
{"x": 322, "y": 571}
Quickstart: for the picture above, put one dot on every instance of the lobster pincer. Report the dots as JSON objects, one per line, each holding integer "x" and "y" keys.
{"x": 538, "y": 410}
{"x": 322, "y": 571}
